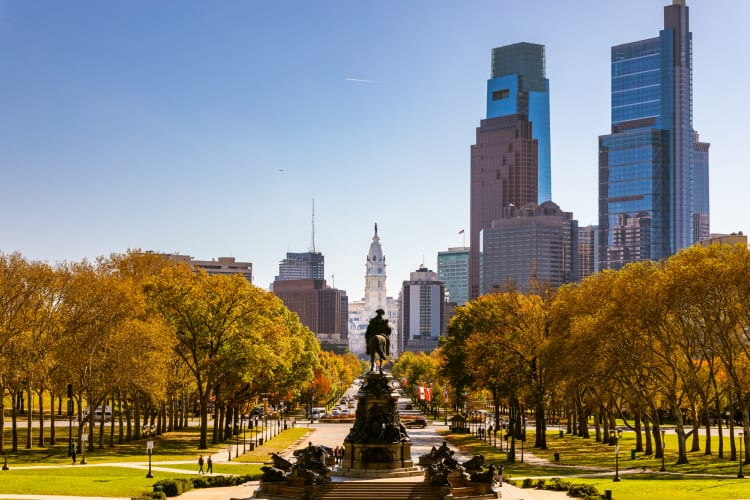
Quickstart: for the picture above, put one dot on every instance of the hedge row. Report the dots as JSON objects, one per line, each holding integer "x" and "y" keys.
{"x": 176, "y": 487}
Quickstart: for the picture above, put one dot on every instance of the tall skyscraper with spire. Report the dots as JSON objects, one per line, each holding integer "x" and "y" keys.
{"x": 653, "y": 170}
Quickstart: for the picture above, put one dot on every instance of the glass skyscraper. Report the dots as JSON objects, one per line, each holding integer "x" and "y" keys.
{"x": 510, "y": 161}
{"x": 453, "y": 270}
{"x": 653, "y": 173}
{"x": 519, "y": 87}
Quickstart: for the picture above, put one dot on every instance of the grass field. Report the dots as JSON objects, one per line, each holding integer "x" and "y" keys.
{"x": 31, "y": 470}
{"x": 705, "y": 477}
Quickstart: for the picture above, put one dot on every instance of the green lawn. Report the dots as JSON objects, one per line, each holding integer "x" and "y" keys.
{"x": 705, "y": 477}
{"x": 96, "y": 479}
{"x": 79, "y": 480}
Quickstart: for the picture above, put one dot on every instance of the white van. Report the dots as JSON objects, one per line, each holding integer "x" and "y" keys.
{"x": 317, "y": 413}
{"x": 106, "y": 413}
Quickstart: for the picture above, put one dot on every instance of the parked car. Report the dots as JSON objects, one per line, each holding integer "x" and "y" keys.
{"x": 345, "y": 412}
{"x": 416, "y": 422}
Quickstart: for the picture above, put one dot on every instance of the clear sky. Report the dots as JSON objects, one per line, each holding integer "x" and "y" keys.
{"x": 207, "y": 128}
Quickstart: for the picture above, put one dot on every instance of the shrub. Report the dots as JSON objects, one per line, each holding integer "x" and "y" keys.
{"x": 156, "y": 495}
{"x": 529, "y": 483}
{"x": 557, "y": 484}
{"x": 540, "y": 484}
{"x": 583, "y": 491}
{"x": 175, "y": 487}
{"x": 200, "y": 482}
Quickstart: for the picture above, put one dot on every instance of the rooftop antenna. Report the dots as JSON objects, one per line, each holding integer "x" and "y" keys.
{"x": 312, "y": 247}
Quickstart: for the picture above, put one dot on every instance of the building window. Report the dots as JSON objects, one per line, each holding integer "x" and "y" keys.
{"x": 500, "y": 94}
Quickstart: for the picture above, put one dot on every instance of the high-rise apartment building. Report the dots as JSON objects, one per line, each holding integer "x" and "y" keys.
{"x": 653, "y": 171}
{"x": 453, "y": 270}
{"x": 531, "y": 246}
{"x": 510, "y": 162}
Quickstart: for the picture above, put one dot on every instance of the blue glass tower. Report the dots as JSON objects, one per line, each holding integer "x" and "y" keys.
{"x": 653, "y": 196}
{"x": 519, "y": 87}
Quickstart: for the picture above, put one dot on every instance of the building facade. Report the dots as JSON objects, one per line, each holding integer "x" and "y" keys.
{"x": 453, "y": 270}
{"x": 510, "y": 161}
{"x": 422, "y": 317}
{"x": 653, "y": 171}
{"x": 322, "y": 309}
{"x": 223, "y": 265}
{"x": 588, "y": 257}
{"x": 532, "y": 246}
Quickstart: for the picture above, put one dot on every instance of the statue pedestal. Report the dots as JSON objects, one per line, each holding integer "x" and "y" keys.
{"x": 377, "y": 445}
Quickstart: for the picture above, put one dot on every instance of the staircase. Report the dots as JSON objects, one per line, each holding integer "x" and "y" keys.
{"x": 367, "y": 490}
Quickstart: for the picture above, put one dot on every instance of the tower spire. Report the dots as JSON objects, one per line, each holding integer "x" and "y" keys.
{"x": 312, "y": 246}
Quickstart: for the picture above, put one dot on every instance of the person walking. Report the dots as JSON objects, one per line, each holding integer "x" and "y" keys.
{"x": 209, "y": 465}
{"x": 200, "y": 465}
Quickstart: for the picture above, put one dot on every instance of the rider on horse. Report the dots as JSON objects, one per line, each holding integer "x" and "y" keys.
{"x": 378, "y": 326}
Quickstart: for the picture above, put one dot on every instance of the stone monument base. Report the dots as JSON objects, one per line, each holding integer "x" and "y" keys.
{"x": 381, "y": 460}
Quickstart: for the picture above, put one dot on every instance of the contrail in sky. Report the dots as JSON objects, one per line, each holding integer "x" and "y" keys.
{"x": 359, "y": 80}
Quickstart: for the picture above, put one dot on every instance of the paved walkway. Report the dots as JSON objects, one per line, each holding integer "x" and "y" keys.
{"x": 331, "y": 435}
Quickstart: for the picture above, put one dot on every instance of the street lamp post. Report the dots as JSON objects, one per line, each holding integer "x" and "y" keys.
{"x": 237, "y": 444}
{"x": 148, "y": 431}
{"x": 616, "y": 435}
{"x": 244, "y": 430}
{"x": 663, "y": 448}
{"x": 740, "y": 475}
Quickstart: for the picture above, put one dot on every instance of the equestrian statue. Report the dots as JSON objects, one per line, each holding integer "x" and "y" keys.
{"x": 378, "y": 338}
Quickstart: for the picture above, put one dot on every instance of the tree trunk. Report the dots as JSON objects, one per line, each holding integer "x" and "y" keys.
{"x": 41, "y": 418}
{"x": 540, "y": 440}
{"x": 647, "y": 433}
{"x": 203, "y": 444}
{"x": 637, "y": 424}
{"x": 52, "y": 436}
{"x": 679, "y": 428}
{"x": 696, "y": 424}
{"x": 30, "y": 419}
{"x": 708, "y": 432}
{"x": 14, "y": 422}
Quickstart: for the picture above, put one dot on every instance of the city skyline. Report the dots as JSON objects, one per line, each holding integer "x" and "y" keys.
{"x": 207, "y": 131}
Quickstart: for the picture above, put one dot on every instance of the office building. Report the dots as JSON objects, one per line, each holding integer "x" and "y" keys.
{"x": 301, "y": 266}
{"x": 223, "y": 265}
{"x": 519, "y": 86}
{"x": 422, "y": 317}
{"x": 510, "y": 161}
{"x": 453, "y": 270}
{"x": 531, "y": 247}
{"x": 653, "y": 171}
{"x": 322, "y": 309}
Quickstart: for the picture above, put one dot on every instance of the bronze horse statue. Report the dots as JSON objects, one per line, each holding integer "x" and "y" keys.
{"x": 380, "y": 345}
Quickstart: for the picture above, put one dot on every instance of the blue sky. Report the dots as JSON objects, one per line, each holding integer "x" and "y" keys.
{"x": 207, "y": 128}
